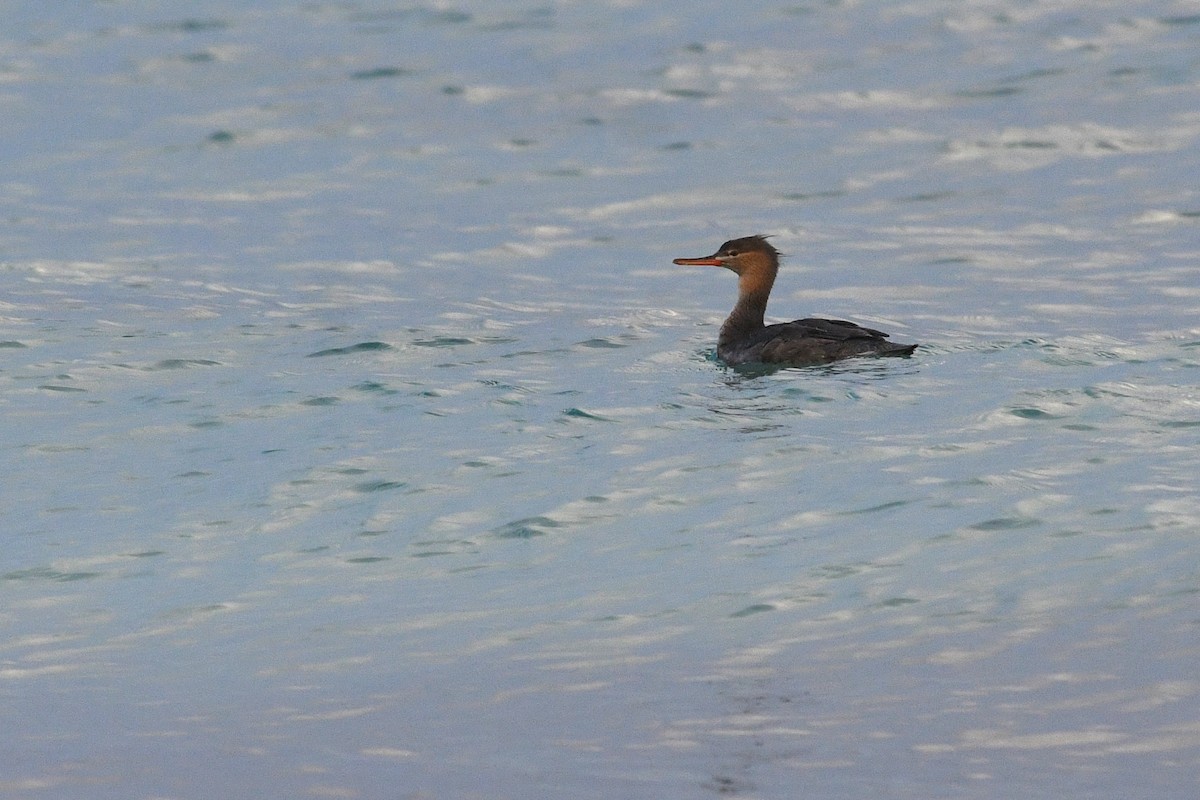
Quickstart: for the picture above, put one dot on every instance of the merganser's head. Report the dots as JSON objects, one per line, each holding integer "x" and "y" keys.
{"x": 748, "y": 254}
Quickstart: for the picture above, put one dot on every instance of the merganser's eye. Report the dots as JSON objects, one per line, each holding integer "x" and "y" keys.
{"x": 731, "y": 253}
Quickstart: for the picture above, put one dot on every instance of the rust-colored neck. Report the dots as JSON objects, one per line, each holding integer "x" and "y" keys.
{"x": 756, "y": 275}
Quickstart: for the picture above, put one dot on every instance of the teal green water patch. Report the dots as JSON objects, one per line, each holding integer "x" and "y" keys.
{"x": 184, "y": 363}
{"x": 1034, "y": 414}
{"x": 688, "y": 94}
{"x": 459, "y": 341}
{"x": 362, "y": 347}
{"x": 381, "y": 72}
{"x": 526, "y": 528}
{"x": 48, "y": 574}
{"x": 579, "y": 413}
{"x": 378, "y": 486}
{"x": 192, "y": 25}
{"x": 877, "y": 508}
{"x": 757, "y": 608}
{"x": 1005, "y": 524}
{"x": 897, "y": 602}
{"x": 373, "y": 387}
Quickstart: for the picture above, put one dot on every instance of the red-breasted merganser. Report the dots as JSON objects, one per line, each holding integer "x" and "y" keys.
{"x": 745, "y": 339}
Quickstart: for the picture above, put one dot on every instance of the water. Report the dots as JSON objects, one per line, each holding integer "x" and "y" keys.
{"x": 363, "y": 442}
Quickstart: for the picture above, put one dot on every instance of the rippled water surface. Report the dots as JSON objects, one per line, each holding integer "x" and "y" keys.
{"x": 362, "y": 441}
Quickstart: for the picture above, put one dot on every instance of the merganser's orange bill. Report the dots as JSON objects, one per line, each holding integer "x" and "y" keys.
{"x": 708, "y": 261}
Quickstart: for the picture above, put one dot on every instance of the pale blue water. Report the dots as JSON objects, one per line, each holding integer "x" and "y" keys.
{"x": 362, "y": 441}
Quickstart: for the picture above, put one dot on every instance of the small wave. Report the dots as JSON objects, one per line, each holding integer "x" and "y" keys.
{"x": 361, "y": 347}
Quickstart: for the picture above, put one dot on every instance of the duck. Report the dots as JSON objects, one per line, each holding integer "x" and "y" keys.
{"x": 745, "y": 339}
